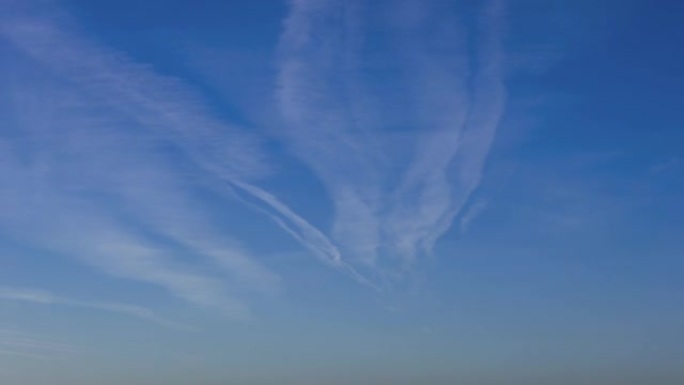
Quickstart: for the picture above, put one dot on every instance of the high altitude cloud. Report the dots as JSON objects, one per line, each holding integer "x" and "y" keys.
{"x": 105, "y": 156}
{"x": 83, "y": 175}
{"x": 397, "y": 130}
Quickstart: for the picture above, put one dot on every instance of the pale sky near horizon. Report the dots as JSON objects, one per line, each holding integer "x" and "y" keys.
{"x": 332, "y": 192}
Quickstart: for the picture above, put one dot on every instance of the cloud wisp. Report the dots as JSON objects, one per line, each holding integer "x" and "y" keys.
{"x": 25, "y": 345}
{"x": 395, "y": 193}
{"x": 97, "y": 187}
{"x": 47, "y": 298}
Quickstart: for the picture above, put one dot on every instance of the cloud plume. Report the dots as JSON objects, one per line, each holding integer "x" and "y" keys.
{"x": 399, "y": 168}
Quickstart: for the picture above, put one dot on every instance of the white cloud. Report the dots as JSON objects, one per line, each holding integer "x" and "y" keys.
{"x": 162, "y": 107}
{"x": 391, "y": 201}
{"x": 85, "y": 178}
{"x": 95, "y": 187}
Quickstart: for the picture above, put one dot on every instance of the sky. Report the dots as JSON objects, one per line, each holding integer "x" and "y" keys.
{"x": 341, "y": 192}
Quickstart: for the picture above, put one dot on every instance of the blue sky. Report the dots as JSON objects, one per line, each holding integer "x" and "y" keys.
{"x": 370, "y": 192}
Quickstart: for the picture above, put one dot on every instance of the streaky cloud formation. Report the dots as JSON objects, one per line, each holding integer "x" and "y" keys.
{"x": 308, "y": 235}
{"x": 393, "y": 199}
{"x": 115, "y": 92}
{"x": 341, "y": 192}
{"x": 170, "y": 110}
{"x": 394, "y": 191}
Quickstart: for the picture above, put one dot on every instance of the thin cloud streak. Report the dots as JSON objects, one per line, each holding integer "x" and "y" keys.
{"x": 488, "y": 104}
{"x": 47, "y": 298}
{"x": 302, "y": 231}
{"x": 31, "y": 346}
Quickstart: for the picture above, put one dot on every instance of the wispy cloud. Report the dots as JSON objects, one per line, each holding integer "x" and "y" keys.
{"x": 46, "y": 213}
{"x": 20, "y": 344}
{"x": 48, "y": 298}
{"x": 157, "y": 108}
{"x": 393, "y": 198}
{"x": 470, "y": 213}
{"x": 108, "y": 154}
{"x": 96, "y": 186}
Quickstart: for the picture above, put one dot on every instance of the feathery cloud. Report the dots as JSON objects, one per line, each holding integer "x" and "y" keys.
{"x": 95, "y": 176}
{"x": 392, "y": 198}
{"x": 399, "y": 137}
{"x": 163, "y": 107}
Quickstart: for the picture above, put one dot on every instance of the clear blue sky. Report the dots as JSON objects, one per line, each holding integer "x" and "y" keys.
{"x": 341, "y": 192}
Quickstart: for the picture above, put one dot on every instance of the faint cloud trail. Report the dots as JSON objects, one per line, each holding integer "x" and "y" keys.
{"x": 488, "y": 104}
{"x": 79, "y": 222}
{"x": 27, "y": 345}
{"x": 47, "y": 298}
